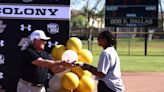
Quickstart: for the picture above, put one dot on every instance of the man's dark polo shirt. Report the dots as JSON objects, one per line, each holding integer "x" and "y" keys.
{"x": 30, "y": 72}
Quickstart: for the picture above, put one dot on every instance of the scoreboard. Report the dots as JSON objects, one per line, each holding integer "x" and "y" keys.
{"x": 131, "y": 13}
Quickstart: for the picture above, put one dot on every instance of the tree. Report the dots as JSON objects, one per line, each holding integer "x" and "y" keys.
{"x": 101, "y": 15}
{"x": 90, "y": 10}
{"x": 78, "y": 21}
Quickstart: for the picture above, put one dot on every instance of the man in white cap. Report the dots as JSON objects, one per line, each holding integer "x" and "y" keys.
{"x": 35, "y": 63}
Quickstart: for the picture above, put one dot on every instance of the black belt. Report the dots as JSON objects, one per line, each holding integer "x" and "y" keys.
{"x": 30, "y": 84}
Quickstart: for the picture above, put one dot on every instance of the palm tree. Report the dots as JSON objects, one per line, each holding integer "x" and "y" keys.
{"x": 101, "y": 15}
{"x": 89, "y": 13}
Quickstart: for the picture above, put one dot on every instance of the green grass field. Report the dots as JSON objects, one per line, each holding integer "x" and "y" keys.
{"x": 142, "y": 63}
{"x": 131, "y": 52}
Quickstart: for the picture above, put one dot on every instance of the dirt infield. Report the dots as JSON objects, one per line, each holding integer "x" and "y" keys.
{"x": 144, "y": 82}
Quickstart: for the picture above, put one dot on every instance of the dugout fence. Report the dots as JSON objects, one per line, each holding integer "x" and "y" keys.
{"x": 130, "y": 41}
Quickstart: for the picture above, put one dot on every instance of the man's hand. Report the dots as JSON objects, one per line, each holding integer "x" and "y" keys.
{"x": 67, "y": 64}
{"x": 79, "y": 63}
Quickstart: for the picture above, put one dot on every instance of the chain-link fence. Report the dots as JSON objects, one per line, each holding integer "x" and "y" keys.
{"x": 130, "y": 41}
{"x": 130, "y": 45}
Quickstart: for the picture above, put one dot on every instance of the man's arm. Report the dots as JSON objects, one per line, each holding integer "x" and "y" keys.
{"x": 58, "y": 69}
{"x": 49, "y": 63}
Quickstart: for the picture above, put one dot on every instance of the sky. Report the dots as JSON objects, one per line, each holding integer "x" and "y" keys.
{"x": 162, "y": 4}
{"x": 80, "y": 4}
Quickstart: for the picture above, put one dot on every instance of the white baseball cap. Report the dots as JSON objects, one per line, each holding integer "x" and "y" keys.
{"x": 38, "y": 34}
